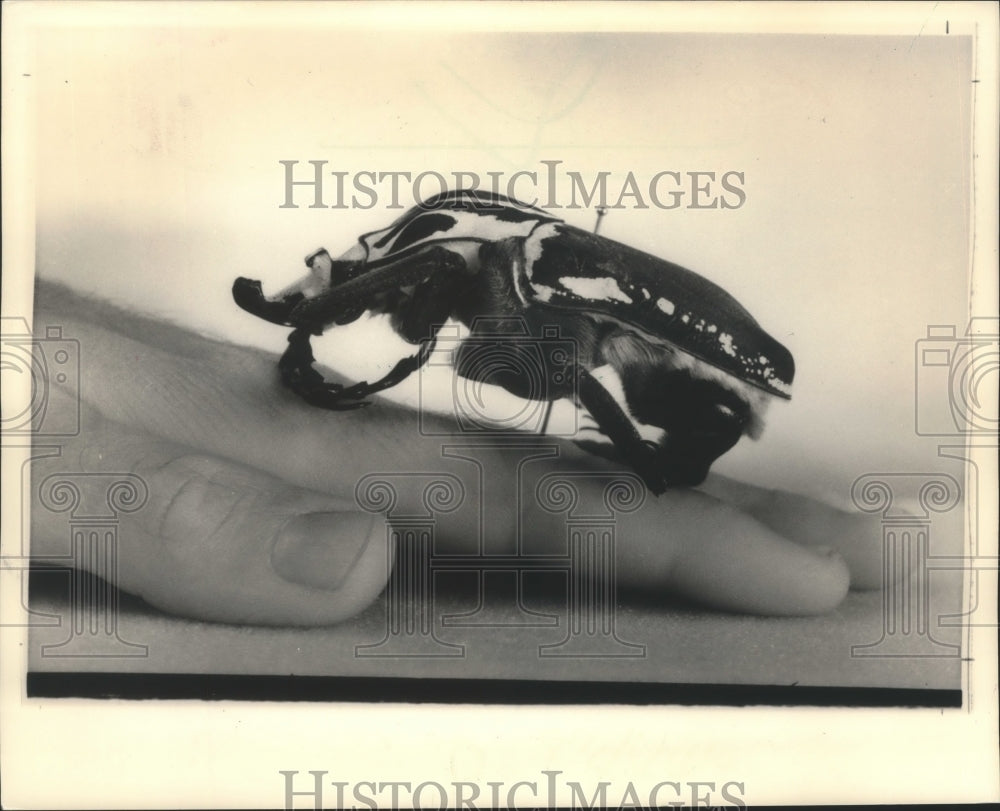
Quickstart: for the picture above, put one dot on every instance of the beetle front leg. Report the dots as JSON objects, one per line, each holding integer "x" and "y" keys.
{"x": 297, "y": 372}
{"x": 338, "y": 304}
{"x": 402, "y": 370}
{"x": 432, "y": 272}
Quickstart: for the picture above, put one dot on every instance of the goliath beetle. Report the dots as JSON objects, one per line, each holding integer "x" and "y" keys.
{"x": 692, "y": 370}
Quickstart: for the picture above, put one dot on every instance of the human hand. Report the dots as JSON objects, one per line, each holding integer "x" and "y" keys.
{"x": 251, "y": 515}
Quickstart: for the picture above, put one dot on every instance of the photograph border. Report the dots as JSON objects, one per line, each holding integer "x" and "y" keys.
{"x": 71, "y": 751}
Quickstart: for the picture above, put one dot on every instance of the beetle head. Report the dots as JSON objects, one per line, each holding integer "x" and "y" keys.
{"x": 701, "y": 411}
{"x": 701, "y": 420}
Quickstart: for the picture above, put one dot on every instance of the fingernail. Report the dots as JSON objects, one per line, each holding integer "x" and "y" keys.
{"x": 320, "y": 549}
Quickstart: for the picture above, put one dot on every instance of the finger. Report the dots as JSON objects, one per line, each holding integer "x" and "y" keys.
{"x": 727, "y": 559}
{"x": 855, "y": 537}
{"x": 212, "y": 540}
{"x": 688, "y": 543}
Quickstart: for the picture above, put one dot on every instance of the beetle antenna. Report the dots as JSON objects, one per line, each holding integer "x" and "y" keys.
{"x": 601, "y": 211}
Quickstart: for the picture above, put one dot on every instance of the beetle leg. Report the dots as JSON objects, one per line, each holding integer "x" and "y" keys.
{"x": 333, "y": 306}
{"x": 415, "y": 318}
{"x": 402, "y": 370}
{"x": 433, "y": 272}
{"x": 297, "y": 372}
{"x": 299, "y": 375}
{"x": 423, "y": 316}
{"x": 297, "y": 360}
{"x": 614, "y": 422}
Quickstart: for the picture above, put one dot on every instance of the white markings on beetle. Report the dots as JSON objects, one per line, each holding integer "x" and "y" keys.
{"x": 310, "y": 286}
{"x": 666, "y": 305}
{"x": 515, "y": 272}
{"x": 533, "y": 245}
{"x": 464, "y": 226}
{"x": 645, "y": 294}
{"x": 612, "y": 383}
{"x": 543, "y": 292}
{"x": 356, "y": 253}
{"x": 727, "y": 343}
{"x": 604, "y": 288}
{"x": 779, "y": 385}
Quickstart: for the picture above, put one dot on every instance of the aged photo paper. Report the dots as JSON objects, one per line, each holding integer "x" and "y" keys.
{"x": 436, "y": 526}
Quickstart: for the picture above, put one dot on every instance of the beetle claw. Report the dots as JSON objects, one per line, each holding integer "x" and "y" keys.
{"x": 651, "y": 475}
{"x": 355, "y": 391}
{"x": 329, "y": 396}
{"x": 331, "y": 401}
{"x": 657, "y": 486}
{"x": 306, "y": 378}
{"x": 309, "y": 384}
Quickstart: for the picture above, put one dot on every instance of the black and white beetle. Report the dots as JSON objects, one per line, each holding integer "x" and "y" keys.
{"x": 689, "y": 363}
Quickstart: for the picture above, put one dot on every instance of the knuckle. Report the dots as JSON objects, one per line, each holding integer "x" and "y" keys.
{"x": 192, "y": 506}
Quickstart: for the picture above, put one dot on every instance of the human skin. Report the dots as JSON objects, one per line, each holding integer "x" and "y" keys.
{"x": 252, "y": 515}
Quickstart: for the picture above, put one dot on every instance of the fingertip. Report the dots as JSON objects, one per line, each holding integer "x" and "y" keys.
{"x": 804, "y": 584}
{"x": 737, "y": 564}
{"x": 813, "y": 523}
{"x": 365, "y": 580}
{"x": 811, "y": 582}
{"x": 859, "y": 541}
{"x": 825, "y": 584}
{"x": 321, "y": 549}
